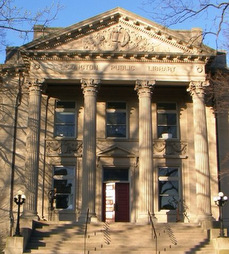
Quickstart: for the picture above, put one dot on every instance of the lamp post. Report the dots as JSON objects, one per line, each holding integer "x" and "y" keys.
{"x": 19, "y": 199}
{"x": 220, "y": 201}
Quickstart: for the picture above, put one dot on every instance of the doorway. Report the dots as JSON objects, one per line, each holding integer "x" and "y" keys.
{"x": 116, "y": 200}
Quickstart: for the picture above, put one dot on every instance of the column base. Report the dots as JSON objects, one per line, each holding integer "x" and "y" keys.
{"x": 206, "y": 221}
{"x": 221, "y": 245}
{"x": 30, "y": 215}
{"x": 143, "y": 218}
{"x": 91, "y": 218}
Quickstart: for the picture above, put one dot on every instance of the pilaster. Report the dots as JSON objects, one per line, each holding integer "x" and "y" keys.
{"x": 32, "y": 148}
{"x": 145, "y": 200}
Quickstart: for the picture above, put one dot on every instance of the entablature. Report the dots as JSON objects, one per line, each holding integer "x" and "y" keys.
{"x": 69, "y": 55}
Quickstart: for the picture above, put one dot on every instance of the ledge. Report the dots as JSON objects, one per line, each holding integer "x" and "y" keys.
{"x": 221, "y": 245}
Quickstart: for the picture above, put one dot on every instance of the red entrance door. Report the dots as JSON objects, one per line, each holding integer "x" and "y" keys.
{"x": 116, "y": 202}
{"x": 122, "y": 202}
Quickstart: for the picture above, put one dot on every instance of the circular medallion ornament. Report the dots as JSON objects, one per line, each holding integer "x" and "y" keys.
{"x": 199, "y": 69}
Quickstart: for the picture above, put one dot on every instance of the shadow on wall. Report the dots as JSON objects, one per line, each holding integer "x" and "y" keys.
{"x": 2, "y": 245}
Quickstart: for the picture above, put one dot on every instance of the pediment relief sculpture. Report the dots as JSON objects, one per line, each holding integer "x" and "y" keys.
{"x": 120, "y": 38}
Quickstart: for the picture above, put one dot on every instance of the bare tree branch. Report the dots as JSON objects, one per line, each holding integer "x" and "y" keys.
{"x": 212, "y": 14}
{"x": 20, "y": 20}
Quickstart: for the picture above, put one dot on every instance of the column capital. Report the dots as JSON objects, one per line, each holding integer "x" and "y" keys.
{"x": 197, "y": 87}
{"x": 144, "y": 86}
{"x": 35, "y": 84}
{"x": 90, "y": 85}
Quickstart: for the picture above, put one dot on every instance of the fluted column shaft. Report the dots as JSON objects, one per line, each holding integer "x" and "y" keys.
{"x": 90, "y": 87}
{"x": 32, "y": 146}
{"x": 201, "y": 149}
{"x": 145, "y": 201}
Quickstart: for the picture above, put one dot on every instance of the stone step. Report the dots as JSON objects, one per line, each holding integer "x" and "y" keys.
{"x": 117, "y": 251}
{"x": 123, "y": 238}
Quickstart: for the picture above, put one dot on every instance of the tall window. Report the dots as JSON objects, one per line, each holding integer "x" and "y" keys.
{"x": 168, "y": 183}
{"x": 63, "y": 185}
{"x": 65, "y": 119}
{"x": 167, "y": 120}
{"x": 116, "y": 119}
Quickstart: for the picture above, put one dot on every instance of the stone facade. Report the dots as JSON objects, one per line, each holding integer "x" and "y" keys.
{"x": 110, "y": 115}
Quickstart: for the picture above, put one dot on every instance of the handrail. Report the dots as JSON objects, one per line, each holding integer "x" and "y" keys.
{"x": 85, "y": 232}
{"x": 153, "y": 230}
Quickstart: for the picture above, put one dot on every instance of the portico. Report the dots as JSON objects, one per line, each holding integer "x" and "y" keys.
{"x": 117, "y": 121}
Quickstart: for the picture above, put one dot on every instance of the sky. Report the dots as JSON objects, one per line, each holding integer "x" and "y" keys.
{"x": 73, "y": 11}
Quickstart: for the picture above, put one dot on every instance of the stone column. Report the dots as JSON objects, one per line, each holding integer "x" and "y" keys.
{"x": 196, "y": 90}
{"x": 32, "y": 147}
{"x": 90, "y": 87}
{"x": 145, "y": 187}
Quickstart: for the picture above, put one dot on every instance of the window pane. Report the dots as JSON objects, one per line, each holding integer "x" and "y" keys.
{"x": 116, "y": 130}
{"x": 166, "y": 106}
{"x": 112, "y": 174}
{"x": 65, "y": 117}
{"x": 62, "y": 201}
{"x": 168, "y": 202}
{"x": 173, "y": 172}
{"x": 60, "y": 171}
{"x": 167, "y": 129}
{"x": 116, "y": 118}
{"x": 63, "y": 186}
{"x": 64, "y": 171}
{"x": 168, "y": 187}
{"x": 65, "y": 130}
{"x": 63, "y": 181}
{"x": 116, "y": 105}
{"x": 65, "y": 104}
{"x": 167, "y": 119}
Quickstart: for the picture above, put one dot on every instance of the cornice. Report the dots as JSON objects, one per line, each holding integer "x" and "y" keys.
{"x": 69, "y": 55}
{"x": 113, "y": 17}
{"x": 12, "y": 69}
{"x": 157, "y": 33}
{"x": 73, "y": 32}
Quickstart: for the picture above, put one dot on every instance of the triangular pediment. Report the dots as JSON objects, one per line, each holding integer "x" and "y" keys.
{"x": 120, "y": 38}
{"x": 115, "y": 151}
{"x": 116, "y": 31}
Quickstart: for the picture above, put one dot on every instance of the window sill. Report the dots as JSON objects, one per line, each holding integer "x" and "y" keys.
{"x": 64, "y": 138}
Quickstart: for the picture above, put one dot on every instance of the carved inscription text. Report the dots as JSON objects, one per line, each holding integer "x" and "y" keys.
{"x": 99, "y": 67}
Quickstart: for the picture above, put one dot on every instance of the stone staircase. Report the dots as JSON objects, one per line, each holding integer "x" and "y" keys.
{"x": 119, "y": 238}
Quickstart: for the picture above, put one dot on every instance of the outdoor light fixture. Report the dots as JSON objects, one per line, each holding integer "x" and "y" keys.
{"x": 220, "y": 201}
{"x": 19, "y": 199}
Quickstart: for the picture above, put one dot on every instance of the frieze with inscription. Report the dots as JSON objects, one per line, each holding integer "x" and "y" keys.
{"x": 68, "y": 69}
{"x": 155, "y": 68}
